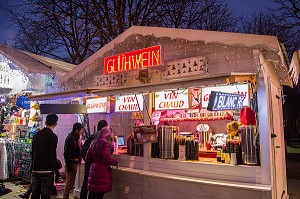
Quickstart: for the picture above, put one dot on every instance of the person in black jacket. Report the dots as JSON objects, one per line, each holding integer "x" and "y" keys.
{"x": 44, "y": 160}
{"x": 85, "y": 147}
{"x": 72, "y": 157}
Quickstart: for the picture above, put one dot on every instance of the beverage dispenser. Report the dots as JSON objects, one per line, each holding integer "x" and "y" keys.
{"x": 166, "y": 140}
{"x": 249, "y": 150}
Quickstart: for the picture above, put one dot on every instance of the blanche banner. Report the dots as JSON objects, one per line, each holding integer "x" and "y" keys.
{"x": 225, "y": 101}
{"x": 236, "y": 89}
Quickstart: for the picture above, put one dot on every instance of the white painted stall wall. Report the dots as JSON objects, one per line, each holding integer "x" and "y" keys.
{"x": 63, "y": 128}
{"x": 94, "y": 118}
{"x": 276, "y": 146}
{"x": 121, "y": 123}
{"x": 183, "y": 179}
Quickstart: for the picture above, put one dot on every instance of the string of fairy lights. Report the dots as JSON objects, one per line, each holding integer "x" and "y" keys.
{"x": 19, "y": 79}
{"x": 231, "y": 57}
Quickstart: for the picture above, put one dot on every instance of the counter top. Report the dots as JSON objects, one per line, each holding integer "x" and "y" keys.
{"x": 251, "y": 186}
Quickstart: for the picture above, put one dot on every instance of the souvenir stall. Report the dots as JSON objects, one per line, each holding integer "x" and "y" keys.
{"x": 20, "y": 123}
{"x": 211, "y": 100}
{"x": 21, "y": 75}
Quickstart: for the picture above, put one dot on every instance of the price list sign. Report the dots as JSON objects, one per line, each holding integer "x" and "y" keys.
{"x": 144, "y": 134}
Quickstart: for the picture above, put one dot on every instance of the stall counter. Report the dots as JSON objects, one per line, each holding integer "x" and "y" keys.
{"x": 145, "y": 178}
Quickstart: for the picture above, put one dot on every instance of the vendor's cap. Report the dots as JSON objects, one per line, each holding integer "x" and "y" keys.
{"x": 51, "y": 119}
{"x": 101, "y": 124}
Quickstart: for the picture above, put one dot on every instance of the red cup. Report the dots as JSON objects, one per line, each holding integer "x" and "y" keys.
{"x": 208, "y": 146}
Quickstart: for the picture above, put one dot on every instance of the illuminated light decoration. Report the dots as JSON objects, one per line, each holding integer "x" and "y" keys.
{"x": 97, "y": 105}
{"x": 236, "y": 89}
{"x": 172, "y": 100}
{"x": 143, "y": 58}
{"x": 236, "y": 54}
{"x": 129, "y": 103}
{"x": 192, "y": 66}
{"x": 219, "y": 101}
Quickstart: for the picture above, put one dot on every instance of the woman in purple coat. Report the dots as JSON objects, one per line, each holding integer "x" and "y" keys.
{"x": 99, "y": 157}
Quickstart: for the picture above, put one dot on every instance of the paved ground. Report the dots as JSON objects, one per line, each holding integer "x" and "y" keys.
{"x": 18, "y": 189}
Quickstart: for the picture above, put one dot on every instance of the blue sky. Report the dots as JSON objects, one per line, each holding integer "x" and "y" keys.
{"x": 5, "y": 30}
{"x": 243, "y": 6}
{"x": 249, "y": 6}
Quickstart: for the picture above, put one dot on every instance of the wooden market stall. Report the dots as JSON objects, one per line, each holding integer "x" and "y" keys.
{"x": 148, "y": 60}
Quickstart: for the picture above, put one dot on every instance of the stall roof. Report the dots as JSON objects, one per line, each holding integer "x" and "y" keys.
{"x": 54, "y": 64}
{"x": 33, "y": 63}
{"x": 64, "y": 94}
{"x": 226, "y": 38}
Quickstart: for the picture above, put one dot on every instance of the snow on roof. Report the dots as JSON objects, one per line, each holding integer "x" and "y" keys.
{"x": 54, "y": 64}
{"x": 33, "y": 63}
{"x": 225, "y": 38}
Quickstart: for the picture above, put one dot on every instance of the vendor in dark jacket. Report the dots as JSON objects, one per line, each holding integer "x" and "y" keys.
{"x": 44, "y": 159}
{"x": 72, "y": 157}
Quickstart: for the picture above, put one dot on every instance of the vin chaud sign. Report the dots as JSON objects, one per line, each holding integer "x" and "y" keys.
{"x": 219, "y": 101}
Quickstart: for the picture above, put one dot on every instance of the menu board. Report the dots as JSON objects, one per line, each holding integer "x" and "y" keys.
{"x": 144, "y": 134}
{"x": 129, "y": 103}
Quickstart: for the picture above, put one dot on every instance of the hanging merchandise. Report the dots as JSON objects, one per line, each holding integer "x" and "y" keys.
{"x": 232, "y": 127}
{"x": 247, "y": 116}
{"x": 3, "y": 160}
{"x": 23, "y": 102}
{"x": 34, "y": 116}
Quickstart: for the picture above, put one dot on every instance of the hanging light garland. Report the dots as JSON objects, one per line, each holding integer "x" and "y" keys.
{"x": 173, "y": 49}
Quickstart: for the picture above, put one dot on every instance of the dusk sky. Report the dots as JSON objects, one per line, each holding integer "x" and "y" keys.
{"x": 242, "y": 6}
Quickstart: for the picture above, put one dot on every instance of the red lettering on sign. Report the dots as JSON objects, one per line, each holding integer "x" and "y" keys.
{"x": 96, "y": 105}
{"x": 128, "y": 107}
{"x": 171, "y": 95}
{"x": 129, "y": 99}
{"x": 206, "y": 97}
{"x": 133, "y": 60}
{"x": 172, "y": 104}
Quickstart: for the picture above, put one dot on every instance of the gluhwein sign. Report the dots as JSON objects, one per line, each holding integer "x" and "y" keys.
{"x": 143, "y": 58}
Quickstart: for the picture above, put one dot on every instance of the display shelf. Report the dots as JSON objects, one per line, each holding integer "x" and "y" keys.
{"x": 22, "y": 162}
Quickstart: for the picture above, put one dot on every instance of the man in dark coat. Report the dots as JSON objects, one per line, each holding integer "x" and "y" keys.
{"x": 72, "y": 157}
{"x": 44, "y": 159}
